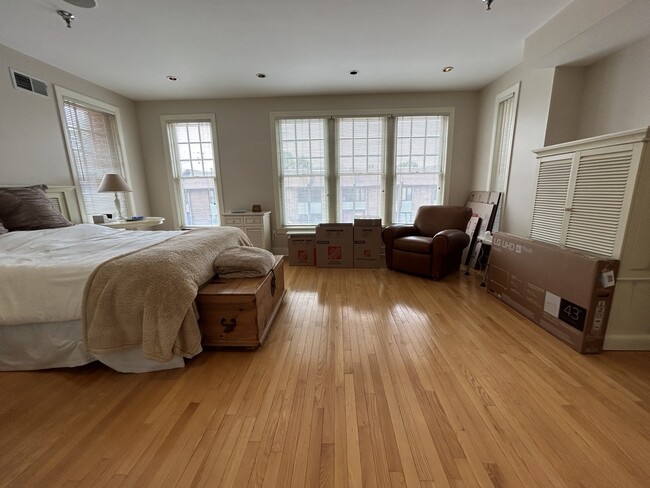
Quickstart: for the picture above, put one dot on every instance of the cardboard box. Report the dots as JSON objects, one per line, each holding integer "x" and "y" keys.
{"x": 373, "y": 222}
{"x": 567, "y": 292}
{"x": 367, "y": 243}
{"x": 334, "y": 246}
{"x": 302, "y": 249}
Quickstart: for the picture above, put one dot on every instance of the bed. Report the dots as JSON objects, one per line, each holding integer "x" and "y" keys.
{"x": 66, "y": 291}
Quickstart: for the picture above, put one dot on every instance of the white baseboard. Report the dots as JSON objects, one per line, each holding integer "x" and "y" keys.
{"x": 637, "y": 342}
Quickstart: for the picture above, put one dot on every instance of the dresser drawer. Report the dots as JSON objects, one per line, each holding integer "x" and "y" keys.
{"x": 233, "y": 220}
{"x": 253, "y": 220}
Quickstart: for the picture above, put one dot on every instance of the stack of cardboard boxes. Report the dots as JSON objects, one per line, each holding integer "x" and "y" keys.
{"x": 302, "y": 249}
{"x": 339, "y": 246}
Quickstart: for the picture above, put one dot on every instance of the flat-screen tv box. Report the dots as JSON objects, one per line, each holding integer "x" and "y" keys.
{"x": 567, "y": 292}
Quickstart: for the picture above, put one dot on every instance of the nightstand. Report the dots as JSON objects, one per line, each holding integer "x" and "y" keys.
{"x": 256, "y": 225}
{"x": 135, "y": 224}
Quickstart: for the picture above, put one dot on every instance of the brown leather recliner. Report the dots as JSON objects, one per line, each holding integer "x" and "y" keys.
{"x": 433, "y": 245}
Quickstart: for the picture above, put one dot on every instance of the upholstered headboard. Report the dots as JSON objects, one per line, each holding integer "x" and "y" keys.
{"x": 63, "y": 199}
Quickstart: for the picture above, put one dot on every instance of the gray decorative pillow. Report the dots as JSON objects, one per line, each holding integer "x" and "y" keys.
{"x": 29, "y": 208}
{"x": 3, "y": 230}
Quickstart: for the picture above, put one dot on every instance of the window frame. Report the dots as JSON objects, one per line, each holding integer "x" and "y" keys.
{"x": 511, "y": 92}
{"x": 174, "y": 189}
{"x": 389, "y": 173}
{"x": 92, "y": 103}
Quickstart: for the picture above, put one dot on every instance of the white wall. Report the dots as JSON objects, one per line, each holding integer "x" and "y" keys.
{"x": 616, "y": 93}
{"x": 244, "y": 140}
{"x": 559, "y": 105}
{"x": 568, "y": 103}
{"x": 32, "y": 145}
{"x": 530, "y": 132}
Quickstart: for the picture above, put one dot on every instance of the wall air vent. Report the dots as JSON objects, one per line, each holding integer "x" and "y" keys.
{"x": 28, "y": 83}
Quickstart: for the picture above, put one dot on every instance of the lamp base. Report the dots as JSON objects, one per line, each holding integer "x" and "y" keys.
{"x": 118, "y": 208}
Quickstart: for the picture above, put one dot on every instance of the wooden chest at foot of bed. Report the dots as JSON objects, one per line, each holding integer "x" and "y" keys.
{"x": 239, "y": 311}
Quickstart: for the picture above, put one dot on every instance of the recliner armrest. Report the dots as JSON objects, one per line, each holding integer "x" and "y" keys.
{"x": 450, "y": 240}
{"x": 392, "y": 232}
{"x": 396, "y": 231}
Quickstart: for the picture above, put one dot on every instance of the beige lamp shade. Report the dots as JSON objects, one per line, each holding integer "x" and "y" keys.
{"x": 113, "y": 182}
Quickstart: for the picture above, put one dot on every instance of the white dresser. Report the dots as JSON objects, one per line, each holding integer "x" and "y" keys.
{"x": 257, "y": 226}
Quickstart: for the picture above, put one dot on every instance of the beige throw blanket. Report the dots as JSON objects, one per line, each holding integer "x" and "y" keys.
{"x": 244, "y": 262}
{"x": 146, "y": 297}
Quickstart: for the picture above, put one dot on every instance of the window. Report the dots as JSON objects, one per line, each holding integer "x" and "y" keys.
{"x": 419, "y": 156}
{"x": 303, "y": 175}
{"x": 194, "y": 170}
{"x": 338, "y": 168}
{"x": 504, "y": 131}
{"x": 360, "y": 167}
{"x": 93, "y": 142}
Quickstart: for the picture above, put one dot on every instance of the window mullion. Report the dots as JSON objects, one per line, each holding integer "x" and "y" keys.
{"x": 389, "y": 168}
{"x": 333, "y": 171}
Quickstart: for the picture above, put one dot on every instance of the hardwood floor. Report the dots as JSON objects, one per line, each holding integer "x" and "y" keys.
{"x": 368, "y": 378}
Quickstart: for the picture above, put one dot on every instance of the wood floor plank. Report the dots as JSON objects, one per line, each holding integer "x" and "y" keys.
{"x": 367, "y": 378}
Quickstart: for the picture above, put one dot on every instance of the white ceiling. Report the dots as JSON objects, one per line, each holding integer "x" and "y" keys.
{"x": 305, "y": 47}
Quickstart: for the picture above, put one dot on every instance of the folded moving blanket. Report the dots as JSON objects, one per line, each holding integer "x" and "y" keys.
{"x": 146, "y": 297}
{"x": 243, "y": 262}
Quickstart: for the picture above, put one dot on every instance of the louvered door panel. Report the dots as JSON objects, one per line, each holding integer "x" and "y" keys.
{"x": 550, "y": 199}
{"x": 598, "y": 197}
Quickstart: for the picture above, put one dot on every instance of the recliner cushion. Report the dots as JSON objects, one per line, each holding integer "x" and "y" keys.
{"x": 431, "y": 219}
{"x": 419, "y": 244}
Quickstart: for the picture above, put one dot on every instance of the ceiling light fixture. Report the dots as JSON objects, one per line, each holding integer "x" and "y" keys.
{"x": 260, "y": 75}
{"x": 354, "y": 72}
{"x": 67, "y": 16}
{"x": 488, "y": 3}
{"x": 82, "y": 3}
{"x": 447, "y": 69}
{"x": 172, "y": 78}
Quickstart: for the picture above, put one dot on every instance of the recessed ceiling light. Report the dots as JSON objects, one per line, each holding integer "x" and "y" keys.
{"x": 354, "y": 72}
{"x": 260, "y": 75}
{"x": 172, "y": 78}
{"x": 447, "y": 69}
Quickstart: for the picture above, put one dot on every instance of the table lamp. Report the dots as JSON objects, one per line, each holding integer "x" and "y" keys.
{"x": 114, "y": 182}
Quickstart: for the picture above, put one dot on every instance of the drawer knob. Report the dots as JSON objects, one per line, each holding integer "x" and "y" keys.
{"x": 228, "y": 324}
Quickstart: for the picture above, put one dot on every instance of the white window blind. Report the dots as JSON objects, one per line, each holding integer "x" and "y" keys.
{"x": 501, "y": 157}
{"x": 419, "y": 158}
{"x": 95, "y": 150}
{"x": 195, "y": 172}
{"x": 359, "y": 166}
{"x": 360, "y": 143}
{"x": 504, "y": 132}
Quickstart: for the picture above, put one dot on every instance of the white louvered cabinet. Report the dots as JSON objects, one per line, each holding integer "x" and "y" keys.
{"x": 594, "y": 195}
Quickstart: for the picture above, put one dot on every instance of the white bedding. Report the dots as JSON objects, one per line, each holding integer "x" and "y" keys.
{"x": 43, "y": 272}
